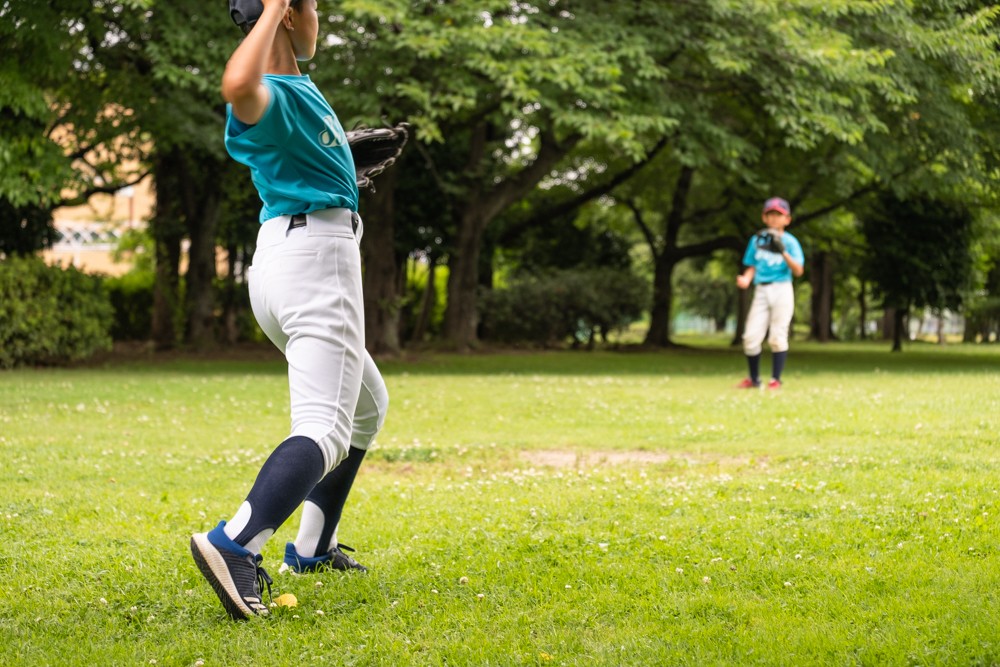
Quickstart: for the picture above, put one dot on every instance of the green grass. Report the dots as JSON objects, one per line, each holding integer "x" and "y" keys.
{"x": 530, "y": 508}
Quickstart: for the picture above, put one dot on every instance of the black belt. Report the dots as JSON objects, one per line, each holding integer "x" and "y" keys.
{"x": 299, "y": 220}
{"x": 767, "y": 283}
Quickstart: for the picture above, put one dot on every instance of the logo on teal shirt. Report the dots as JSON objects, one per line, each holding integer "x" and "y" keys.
{"x": 332, "y": 134}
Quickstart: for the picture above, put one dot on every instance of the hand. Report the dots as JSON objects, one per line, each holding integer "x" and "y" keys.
{"x": 743, "y": 281}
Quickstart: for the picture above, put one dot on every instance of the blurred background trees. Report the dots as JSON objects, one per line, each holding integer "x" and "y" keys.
{"x": 573, "y": 151}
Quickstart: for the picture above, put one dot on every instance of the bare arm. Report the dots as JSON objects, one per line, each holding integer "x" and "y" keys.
{"x": 242, "y": 81}
{"x": 745, "y": 279}
{"x": 796, "y": 268}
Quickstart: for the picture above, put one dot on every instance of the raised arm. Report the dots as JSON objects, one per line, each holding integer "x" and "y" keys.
{"x": 242, "y": 81}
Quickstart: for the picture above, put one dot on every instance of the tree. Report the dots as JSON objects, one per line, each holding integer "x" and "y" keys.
{"x": 24, "y": 229}
{"x": 61, "y": 136}
{"x": 920, "y": 254}
{"x": 516, "y": 87}
{"x": 101, "y": 94}
{"x": 706, "y": 288}
{"x": 734, "y": 88}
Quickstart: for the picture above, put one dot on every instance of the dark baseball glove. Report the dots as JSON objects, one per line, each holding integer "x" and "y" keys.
{"x": 770, "y": 241}
{"x": 375, "y": 149}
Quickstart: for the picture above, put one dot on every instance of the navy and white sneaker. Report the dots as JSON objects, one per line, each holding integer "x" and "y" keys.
{"x": 234, "y": 573}
{"x": 335, "y": 559}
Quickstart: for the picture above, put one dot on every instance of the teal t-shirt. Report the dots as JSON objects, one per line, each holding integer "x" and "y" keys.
{"x": 770, "y": 267}
{"x": 297, "y": 152}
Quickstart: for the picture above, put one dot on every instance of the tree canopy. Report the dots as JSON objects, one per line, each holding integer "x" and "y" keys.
{"x": 675, "y": 118}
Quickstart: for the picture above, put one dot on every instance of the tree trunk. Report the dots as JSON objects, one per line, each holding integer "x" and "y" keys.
{"x": 166, "y": 285}
{"x": 742, "y": 308}
{"x": 167, "y": 230}
{"x": 427, "y": 302}
{"x": 863, "y": 306}
{"x": 666, "y": 259}
{"x": 230, "y": 307}
{"x": 381, "y": 283}
{"x": 663, "y": 296}
{"x": 821, "y": 279}
{"x": 889, "y": 323}
{"x": 201, "y": 273}
{"x": 461, "y": 318}
{"x": 899, "y": 325}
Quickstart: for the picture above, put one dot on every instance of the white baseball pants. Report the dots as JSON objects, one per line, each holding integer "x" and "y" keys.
{"x": 771, "y": 310}
{"x": 305, "y": 291}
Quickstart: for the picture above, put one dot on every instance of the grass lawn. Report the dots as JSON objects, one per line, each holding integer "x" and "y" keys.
{"x": 558, "y": 508}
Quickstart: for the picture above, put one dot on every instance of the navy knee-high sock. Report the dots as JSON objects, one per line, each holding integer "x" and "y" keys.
{"x": 754, "y": 363}
{"x": 287, "y": 476}
{"x": 778, "y": 364}
{"x": 330, "y": 495}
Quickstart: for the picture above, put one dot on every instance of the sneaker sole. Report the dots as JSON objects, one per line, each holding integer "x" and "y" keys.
{"x": 213, "y": 567}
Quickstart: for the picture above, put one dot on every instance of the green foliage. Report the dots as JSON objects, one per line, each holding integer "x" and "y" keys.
{"x": 920, "y": 251}
{"x": 553, "y": 307}
{"x": 33, "y": 167}
{"x": 131, "y": 296}
{"x": 24, "y": 229}
{"x": 50, "y": 315}
{"x": 708, "y": 291}
{"x": 416, "y": 291}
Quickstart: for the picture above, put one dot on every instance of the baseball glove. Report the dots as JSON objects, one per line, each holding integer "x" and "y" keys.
{"x": 770, "y": 241}
{"x": 375, "y": 149}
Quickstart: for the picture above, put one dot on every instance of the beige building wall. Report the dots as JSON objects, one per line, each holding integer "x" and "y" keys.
{"x": 90, "y": 232}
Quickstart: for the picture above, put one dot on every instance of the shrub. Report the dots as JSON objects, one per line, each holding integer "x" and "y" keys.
{"x": 131, "y": 297}
{"x": 559, "y": 306}
{"x": 50, "y": 315}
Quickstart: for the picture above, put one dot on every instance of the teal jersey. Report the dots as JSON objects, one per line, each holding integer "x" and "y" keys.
{"x": 297, "y": 152}
{"x": 770, "y": 267}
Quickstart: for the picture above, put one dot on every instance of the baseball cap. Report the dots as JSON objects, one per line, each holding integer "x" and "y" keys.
{"x": 777, "y": 204}
{"x": 245, "y": 13}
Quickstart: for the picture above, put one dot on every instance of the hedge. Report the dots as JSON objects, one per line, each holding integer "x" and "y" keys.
{"x": 50, "y": 315}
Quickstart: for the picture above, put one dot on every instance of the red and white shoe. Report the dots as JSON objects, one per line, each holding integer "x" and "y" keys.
{"x": 748, "y": 384}
{"x": 774, "y": 384}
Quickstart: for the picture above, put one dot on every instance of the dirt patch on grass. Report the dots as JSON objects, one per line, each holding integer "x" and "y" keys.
{"x": 555, "y": 458}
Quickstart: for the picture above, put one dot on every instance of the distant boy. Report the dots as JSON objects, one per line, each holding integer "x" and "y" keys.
{"x": 772, "y": 257}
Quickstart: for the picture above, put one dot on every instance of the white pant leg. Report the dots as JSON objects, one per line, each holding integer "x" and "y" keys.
{"x": 305, "y": 291}
{"x": 782, "y": 300}
{"x": 369, "y": 416}
{"x": 373, "y": 402}
{"x": 756, "y": 324}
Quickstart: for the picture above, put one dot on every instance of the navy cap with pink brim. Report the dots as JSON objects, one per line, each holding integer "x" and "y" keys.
{"x": 777, "y": 204}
